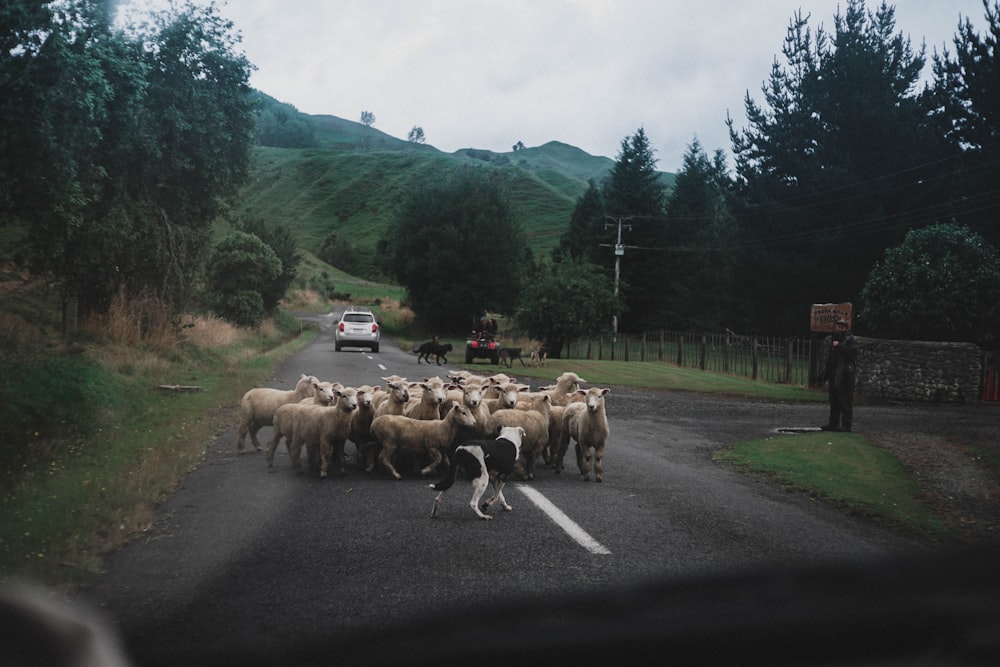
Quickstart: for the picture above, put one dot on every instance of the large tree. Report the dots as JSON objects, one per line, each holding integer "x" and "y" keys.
{"x": 119, "y": 147}
{"x": 634, "y": 196}
{"x": 570, "y": 300}
{"x": 966, "y": 105}
{"x": 941, "y": 283}
{"x": 836, "y": 166}
{"x": 701, "y": 237}
{"x": 458, "y": 247}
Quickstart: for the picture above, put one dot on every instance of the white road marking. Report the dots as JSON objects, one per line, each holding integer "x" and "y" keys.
{"x": 382, "y": 367}
{"x": 563, "y": 521}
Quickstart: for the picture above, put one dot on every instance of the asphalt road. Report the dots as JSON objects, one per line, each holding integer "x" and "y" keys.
{"x": 246, "y": 563}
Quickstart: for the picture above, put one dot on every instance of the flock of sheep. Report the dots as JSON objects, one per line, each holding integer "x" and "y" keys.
{"x": 420, "y": 423}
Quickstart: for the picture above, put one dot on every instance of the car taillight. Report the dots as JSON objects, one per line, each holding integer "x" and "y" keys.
{"x": 341, "y": 326}
{"x": 374, "y": 328}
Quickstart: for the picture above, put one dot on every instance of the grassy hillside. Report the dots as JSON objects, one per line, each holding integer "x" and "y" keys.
{"x": 355, "y": 177}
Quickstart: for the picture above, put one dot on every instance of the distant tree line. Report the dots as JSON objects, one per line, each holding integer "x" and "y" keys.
{"x": 848, "y": 172}
{"x": 844, "y": 158}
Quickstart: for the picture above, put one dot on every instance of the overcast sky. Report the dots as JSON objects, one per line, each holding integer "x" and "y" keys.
{"x": 489, "y": 73}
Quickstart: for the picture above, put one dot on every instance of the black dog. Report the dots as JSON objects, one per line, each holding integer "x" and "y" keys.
{"x": 437, "y": 349}
{"x": 482, "y": 461}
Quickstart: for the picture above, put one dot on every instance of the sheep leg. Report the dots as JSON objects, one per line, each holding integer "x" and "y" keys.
{"x": 337, "y": 452}
{"x": 531, "y": 459}
{"x": 253, "y": 435}
{"x": 560, "y": 452}
{"x": 295, "y": 451}
{"x": 371, "y": 456}
{"x": 599, "y": 463}
{"x": 583, "y": 460}
{"x": 385, "y": 458}
{"x": 272, "y": 445}
{"x": 435, "y": 455}
{"x": 325, "y": 453}
{"x": 241, "y": 434}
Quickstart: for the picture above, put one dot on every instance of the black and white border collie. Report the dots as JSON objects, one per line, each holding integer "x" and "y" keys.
{"x": 482, "y": 461}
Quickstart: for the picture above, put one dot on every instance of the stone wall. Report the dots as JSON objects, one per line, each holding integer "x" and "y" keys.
{"x": 904, "y": 370}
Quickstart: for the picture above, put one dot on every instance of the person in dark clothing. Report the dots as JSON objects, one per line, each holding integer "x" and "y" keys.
{"x": 839, "y": 373}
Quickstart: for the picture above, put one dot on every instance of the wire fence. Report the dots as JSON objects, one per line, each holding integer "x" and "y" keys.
{"x": 778, "y": 360}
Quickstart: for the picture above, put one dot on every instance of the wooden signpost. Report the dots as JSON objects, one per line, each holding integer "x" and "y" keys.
{"x": 825, "y": 315}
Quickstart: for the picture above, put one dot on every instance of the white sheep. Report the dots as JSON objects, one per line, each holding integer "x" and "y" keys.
{"x": 392, "y": 400}
{"x": 565, "y": 388}
{"x": 555, "y": 435}
{"x": 470, "y": 394}
{"x": 361, "y": 423}
{"x": 324, "y": 393}
{"x": 507, "y": 396}
{"x": 258, "y": 405}
{"x": 383, "y": 394}
{"x": 587, "y": 424}
{"x": 428, "y": 399}
{"x": 535, "y": 422}
{"x": 321, "y": 427}
{"x": 431, "y": 437}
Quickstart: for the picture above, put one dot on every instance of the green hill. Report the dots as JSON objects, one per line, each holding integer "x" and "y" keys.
{"x": 352, "y": 179}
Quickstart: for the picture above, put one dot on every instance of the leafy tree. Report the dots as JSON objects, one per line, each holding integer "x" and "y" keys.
{"x": 416, "y": 135}
{"x": 634, "y": 190}
{"x": 337, "y": 251}
{"x": 285, "y": 246}
{"x": 367, "y": 118}
{"x": 458, "y": 248}
{"x": 941, "y": 283}
{"x": 570, "y": 300}
{"x": 121, "y": 146}
{"x": 242, "y": 268}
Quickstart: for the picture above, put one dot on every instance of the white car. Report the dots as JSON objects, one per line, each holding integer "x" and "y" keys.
{"x": 357, "y": 328}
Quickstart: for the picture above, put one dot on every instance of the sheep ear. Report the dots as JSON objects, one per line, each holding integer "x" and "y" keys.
{"x": 605, "y": 392}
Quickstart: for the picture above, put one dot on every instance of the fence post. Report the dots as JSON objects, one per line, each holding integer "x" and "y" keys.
{"x": 725, "y": 353}
{"x": 753, "y": 357}
{"x": 662, "y": 351}
{"x": 788, "y": 361}
{"x": 704, "y": 350}
{"x": 642, "y": 350}
{"x": 680, "y": 350}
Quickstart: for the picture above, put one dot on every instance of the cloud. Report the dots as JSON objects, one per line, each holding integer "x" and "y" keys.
{"x": 485, "y": 74}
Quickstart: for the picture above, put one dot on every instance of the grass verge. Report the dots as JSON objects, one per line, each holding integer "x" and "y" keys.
{"x": 846, "y": 470}
{"x": 99, "y": 489}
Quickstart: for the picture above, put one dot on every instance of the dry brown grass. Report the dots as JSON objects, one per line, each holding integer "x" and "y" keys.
{"x": 304, "y": 299}
{"x": 134, "y": 321}
{"x": 210, "y": 331}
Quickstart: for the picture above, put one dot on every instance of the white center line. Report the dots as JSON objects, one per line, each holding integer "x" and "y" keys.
{"x": 563, "y": 521}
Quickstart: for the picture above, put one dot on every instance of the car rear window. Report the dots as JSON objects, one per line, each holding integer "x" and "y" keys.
{"x": 358, "y": 317}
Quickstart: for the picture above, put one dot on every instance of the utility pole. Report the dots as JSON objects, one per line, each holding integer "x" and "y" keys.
{"x": 622, "y": 221}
